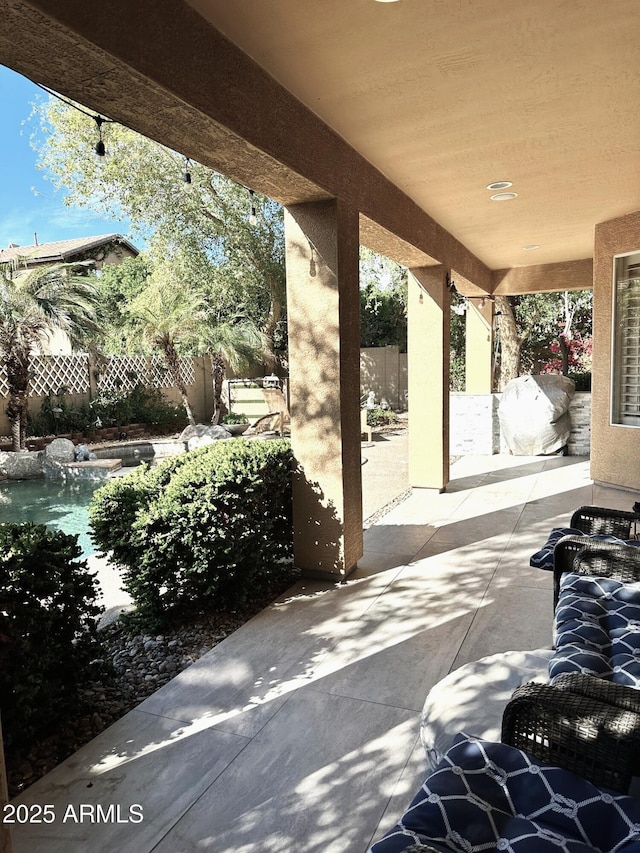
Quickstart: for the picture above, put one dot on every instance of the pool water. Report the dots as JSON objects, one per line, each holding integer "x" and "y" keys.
{"x": 59, "y": 504}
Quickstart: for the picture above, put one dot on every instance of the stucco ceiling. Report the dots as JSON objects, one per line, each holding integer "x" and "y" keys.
{"x": 447, "y": 96}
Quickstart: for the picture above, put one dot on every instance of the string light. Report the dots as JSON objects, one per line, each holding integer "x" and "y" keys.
{"x": 186, "y": 175}
{"x": 99, "y": 147}
{"x": 253, "y": 216}
{"x": 100, "y": 150}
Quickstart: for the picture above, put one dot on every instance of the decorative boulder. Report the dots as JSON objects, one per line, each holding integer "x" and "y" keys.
{"x": 201, "y": 434}
{"x": 534, "y": 414}
{"x": 82, "y": 453}
{"x": 60, "y": 450}
{"x": 25, "y": 465}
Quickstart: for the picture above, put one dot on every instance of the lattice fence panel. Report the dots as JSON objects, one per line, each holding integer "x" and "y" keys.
{"x": 160, "y": 375}
{"x": 124, "y": 372}
{"x": 71, "y": 372}
{"x": 51, "y": 373}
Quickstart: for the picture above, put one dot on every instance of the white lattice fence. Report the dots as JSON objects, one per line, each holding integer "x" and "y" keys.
{"x": 124, "y": 372}
{"x": 160, "y": 374}
{"x": 50, "y": 374}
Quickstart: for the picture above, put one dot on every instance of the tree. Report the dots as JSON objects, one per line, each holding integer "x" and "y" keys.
{"x": 383, "y": 301}
{"x": 240, "y": 257}
{"x": 171, "y": 312}
{"x": 542, "y": 333}
{"x": 118, "y": 285}
{"x": 170, "y": 315}
{"x": 34, "y": 304}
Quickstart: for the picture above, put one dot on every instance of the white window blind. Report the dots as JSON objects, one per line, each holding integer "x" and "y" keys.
{"x": 626, "y": 378}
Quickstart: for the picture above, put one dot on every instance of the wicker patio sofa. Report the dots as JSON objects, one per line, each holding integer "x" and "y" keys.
{"x": 588, "y": 717}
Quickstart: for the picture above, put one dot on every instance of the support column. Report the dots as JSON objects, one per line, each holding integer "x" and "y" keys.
{"x": 479, "y": 347}
{"x": 428, "y": 359}
{"x": 323, "y": 309}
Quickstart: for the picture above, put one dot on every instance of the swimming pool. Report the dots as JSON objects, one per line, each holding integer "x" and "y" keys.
{"x": 60, "y": 504}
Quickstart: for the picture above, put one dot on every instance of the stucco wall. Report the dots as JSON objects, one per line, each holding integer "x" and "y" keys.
{"x": 475, "y": 426}
{"x": 616, "y": 449}
{"x": 383, "y": 370}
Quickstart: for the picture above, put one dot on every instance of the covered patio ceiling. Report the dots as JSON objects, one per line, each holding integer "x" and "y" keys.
{"x": 447, "y": 96}
{"x": 409, "y": 109}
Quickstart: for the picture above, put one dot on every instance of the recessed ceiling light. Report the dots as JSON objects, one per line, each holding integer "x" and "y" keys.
{"x": 503, "y": 196}
{"x": 499, "y": 185}
{"x": 387, "y": 1}
{"x": 531, "y": 247}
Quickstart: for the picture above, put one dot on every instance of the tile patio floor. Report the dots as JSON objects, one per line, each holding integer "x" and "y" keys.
{"x": 299, "y": 733}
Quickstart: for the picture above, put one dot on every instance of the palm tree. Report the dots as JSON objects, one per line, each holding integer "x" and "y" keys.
{"x": 173, "y": 315}
{"x": 170, "y": 316}
{"x": 34, "y": 304}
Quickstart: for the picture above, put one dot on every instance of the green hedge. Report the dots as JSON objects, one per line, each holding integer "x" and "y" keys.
{"x": 380, "y": 416}
{"x": 48, "y": 616}
{"x": 199, "y": 527}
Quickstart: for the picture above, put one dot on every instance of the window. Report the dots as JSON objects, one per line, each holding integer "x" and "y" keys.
{"x": 626, "y": 341}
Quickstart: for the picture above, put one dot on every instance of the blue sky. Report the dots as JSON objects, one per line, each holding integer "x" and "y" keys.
{"x": 28, "y": 203}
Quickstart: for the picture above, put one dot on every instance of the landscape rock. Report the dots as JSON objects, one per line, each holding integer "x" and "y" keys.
{"x": 82, "y": 453}
{"x": 202, "y": 434}
{"x": 60, "y": 450}
{"x": 24, "y": 465}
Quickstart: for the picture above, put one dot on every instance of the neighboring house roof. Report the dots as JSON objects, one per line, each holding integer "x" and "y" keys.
{"x": 62, "y": 250}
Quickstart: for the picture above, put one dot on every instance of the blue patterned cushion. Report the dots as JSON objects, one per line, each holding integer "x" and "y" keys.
{"x": 543, "y": 559}
{"x": 597, "y": 626}
{"x": 488, "y": 796}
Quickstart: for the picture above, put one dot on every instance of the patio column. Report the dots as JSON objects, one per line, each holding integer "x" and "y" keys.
{"x": 479, "y": 347}
{"x": 323, "y": 309}
{"x": 428, "y": 359}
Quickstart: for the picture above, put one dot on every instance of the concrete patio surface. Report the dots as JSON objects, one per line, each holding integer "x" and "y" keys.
{"x": 300, "y": 732}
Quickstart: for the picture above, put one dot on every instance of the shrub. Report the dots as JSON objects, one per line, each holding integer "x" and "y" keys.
{"x": 70, "y": 418}
{"x": 48, "y": 616}
{"x": 235, "y": 418}
{"x": 582, "y": 381}
{"x": 380, "y": 416}
{"x": 142, "y": 404}
{"x": 200, "y": 527}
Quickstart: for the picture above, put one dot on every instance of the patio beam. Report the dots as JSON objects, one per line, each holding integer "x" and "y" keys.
{"x": 164, "y": 71}
{"x": 544, "y": 278}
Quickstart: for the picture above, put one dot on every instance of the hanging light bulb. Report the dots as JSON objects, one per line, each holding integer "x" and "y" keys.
{"x": 186, "y": 175}
{"x": 100, "y": 149}
{"x": 253, "y": 216}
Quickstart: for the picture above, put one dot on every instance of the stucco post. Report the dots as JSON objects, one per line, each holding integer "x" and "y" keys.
{"x": 428, "y": 359}
{"x": 323, "y": 309}
{"x": 479, "y": 347}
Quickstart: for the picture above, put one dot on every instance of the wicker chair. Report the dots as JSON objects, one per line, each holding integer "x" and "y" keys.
{"x": 594, "y": 557}
{"x": 594, "y": 520}
{"x": 581, "y": 723}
